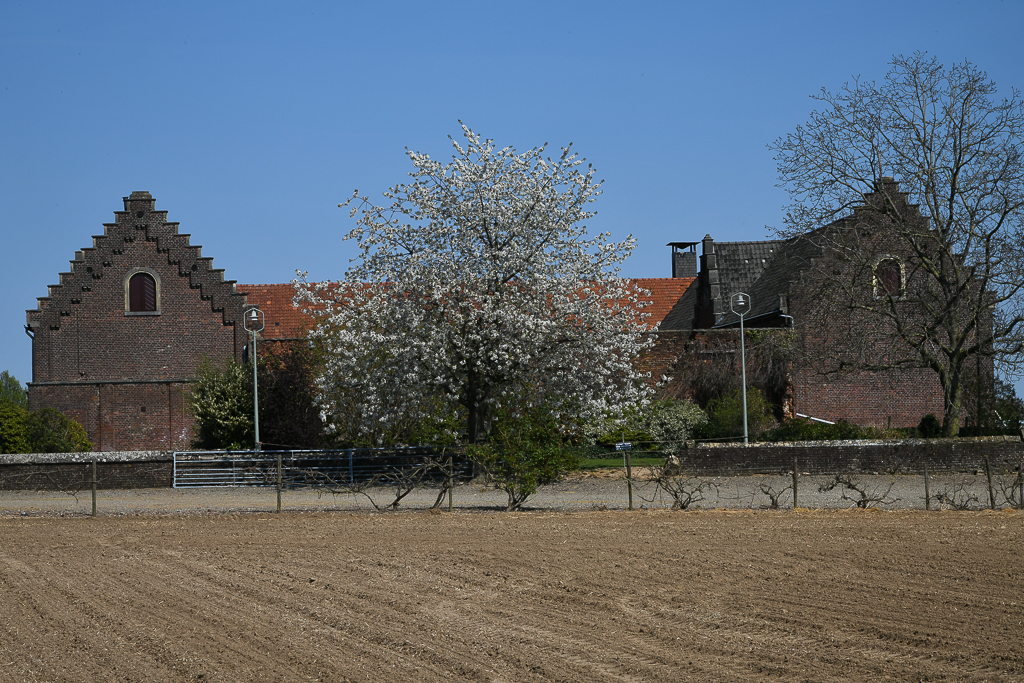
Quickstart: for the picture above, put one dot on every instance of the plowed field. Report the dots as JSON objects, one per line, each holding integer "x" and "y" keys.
{"x": 534, "y": 596}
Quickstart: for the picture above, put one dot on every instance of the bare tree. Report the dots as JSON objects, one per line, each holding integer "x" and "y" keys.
{"x": 911, "y": 191}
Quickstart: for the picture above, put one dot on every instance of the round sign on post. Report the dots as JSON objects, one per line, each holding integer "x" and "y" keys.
{"x": 740, "y": 302}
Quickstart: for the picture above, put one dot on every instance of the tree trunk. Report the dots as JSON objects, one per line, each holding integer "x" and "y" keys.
{"x": 476, "y": 409}
{"x": 952, "y": 390}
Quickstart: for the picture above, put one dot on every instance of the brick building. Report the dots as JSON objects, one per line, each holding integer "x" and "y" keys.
{"x": 118, "y": 340}
{"x": 783, "y": 279}
{"x": 116, "y": 343}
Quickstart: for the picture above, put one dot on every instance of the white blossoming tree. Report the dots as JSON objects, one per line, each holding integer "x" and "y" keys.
{"x": 478, "y": 286}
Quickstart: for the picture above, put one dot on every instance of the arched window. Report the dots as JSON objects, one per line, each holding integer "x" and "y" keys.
{"x": 889, "y": 278}
{"x": 142, "y": 293}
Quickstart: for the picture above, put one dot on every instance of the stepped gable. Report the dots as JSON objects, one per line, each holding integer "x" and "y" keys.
{"x": 771, "y": 291}
{"x": 139, "y": 221}
{"x": 887, "y": 199}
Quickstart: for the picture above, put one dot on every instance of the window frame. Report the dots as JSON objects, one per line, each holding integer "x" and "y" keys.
{"x": 880, "y": 290}
{"x": 127, "y": 300}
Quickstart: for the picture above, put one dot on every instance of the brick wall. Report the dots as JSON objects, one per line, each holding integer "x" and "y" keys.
{"x": 897, "y": 398}
{"x": 124, "y": 415}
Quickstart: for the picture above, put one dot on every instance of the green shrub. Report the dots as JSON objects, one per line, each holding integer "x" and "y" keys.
{"x": 802, "y": 429}
{"x": 221, "y": 401}
{"x": 46, "y": 430}
{"x": 725, "y": 415}
{"x": 672, "y": 420}
{"x": 525, "y": 452}
{"x": 930, "y": 427}
{"x": 51, "y": 431}
{"x": 661, "y": 421}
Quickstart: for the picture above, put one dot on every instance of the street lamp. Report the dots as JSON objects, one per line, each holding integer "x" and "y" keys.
{"x": 741, "y": 306}
{"x": 253, "y": 322}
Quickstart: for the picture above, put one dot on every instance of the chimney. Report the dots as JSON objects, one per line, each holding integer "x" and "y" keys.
{"x": 684, "y": 259}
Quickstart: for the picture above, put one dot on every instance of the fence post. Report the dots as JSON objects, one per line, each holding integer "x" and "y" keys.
{"x": 1020, "y": 485}
{"x": 450, "y": 482}
{"x": 927, "y": 496}
{"x": 94, "y": 487}
{"x": 629, "y": 476}
{"x": 988, "y": 475}
{"x": 796, "y": 476}
{"x": 279, "y": 481}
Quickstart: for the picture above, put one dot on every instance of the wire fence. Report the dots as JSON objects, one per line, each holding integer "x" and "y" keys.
{"x": 679, "y": 475}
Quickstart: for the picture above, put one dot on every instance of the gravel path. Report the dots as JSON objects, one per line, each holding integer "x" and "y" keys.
{"x": 574, "y": 493}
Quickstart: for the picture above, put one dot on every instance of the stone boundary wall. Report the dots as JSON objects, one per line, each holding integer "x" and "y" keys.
{"x": 909, "y": 456}
{"x": 74, "y": 477}
{"x": 154, "y": 469}
{"x": 73, "y": 471}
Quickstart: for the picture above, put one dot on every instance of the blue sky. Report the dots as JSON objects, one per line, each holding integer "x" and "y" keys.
{"x": 250, "y": 122}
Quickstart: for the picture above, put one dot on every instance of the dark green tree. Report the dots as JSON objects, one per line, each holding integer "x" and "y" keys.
{"x": 11, "y": 390}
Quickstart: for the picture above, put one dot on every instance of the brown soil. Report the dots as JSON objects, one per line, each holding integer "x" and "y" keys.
{"x": 583, "y": 596}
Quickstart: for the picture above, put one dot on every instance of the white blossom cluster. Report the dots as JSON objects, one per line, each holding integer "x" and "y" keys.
{"x": 478, "y": 285}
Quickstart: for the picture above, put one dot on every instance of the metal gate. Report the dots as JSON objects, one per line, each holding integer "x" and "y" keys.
{"x": 312, "y": 468}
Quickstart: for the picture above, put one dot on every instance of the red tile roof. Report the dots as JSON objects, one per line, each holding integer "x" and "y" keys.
{"x": 665, "y": 292}
{"x": 284, "y": 321}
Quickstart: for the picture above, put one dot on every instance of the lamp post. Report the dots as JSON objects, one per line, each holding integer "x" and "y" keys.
{"x": 741, "y": 306}
{"x": 254, "y": 322}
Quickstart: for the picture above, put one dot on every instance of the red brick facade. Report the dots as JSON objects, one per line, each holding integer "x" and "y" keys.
{"x": 123, "y": 374}
{"x": 817, "y": 288}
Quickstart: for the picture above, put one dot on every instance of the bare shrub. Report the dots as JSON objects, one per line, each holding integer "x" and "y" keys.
{"x": 957, "y": 494}
{"x": 44, "y": 478}
{"x": 400, "y": 481}
{"x": 775, "y": 496}
{"x": 860, "y": 492}
{"x": 675, "y": 483}
{"x": 1009, "y": 489}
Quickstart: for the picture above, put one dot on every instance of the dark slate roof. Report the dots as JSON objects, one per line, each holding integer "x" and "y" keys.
{"x": 740, "y": 263}
{"x": 791, "y": 258}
